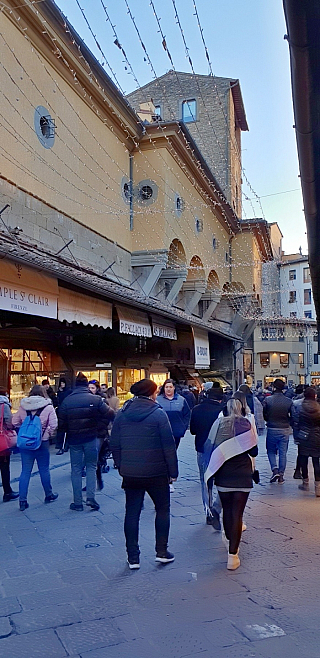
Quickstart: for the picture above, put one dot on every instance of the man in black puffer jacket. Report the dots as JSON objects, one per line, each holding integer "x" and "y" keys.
{"x": 80, "y": 417}
{"x": 144, "y": 452}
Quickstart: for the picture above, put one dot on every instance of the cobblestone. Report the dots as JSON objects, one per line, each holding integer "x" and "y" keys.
{"x": 66, "y": 589}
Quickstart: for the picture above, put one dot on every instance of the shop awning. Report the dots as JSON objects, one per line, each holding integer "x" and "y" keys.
{"x": 26, "y": 290}
{"x": 201, "y": 348}
{"x": 75, "y": 307}
{"x": 163, "y": 328}
{"x": 133, "y": 322}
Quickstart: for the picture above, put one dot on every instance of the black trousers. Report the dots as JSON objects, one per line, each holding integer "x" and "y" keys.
{"x": 5, "y": 473}
{"x": 304, "y": 467}
{"x": 158, "y": 490}
{"x": 233, "y": 504}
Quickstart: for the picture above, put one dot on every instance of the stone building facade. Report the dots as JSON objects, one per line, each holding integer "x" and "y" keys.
{"x": 213, "y": 110}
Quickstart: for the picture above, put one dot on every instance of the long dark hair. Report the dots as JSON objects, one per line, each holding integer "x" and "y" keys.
{"x": 167, "y": 381}
{"x": 39, "y": 390}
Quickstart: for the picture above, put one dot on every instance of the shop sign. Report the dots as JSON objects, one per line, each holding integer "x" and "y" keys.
{"x": 164, "y": 330}
{"x": 23, "y": 290}
{"x": 201, "y": 348}
{"x": 133, "y": 322}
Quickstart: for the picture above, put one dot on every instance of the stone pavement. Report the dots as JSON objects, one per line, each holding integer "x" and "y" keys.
{"x": 66, "y": 589}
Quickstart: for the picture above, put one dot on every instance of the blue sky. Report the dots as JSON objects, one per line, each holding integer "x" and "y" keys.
{"x": 245, "y": 40}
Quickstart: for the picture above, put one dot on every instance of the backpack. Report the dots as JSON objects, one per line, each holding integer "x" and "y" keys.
{"x": 30, "y": 432}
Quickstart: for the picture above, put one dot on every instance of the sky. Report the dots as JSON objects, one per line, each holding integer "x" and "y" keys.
{"x": 245, "y": 40}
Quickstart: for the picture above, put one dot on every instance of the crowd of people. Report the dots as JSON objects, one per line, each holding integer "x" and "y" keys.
{"x": 144, "y": 436}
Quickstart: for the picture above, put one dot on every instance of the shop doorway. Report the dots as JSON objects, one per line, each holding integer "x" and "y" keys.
{"x": 159, "y": 377}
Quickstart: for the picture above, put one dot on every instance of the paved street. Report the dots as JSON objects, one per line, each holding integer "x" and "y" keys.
{"x": 66, "y": 589}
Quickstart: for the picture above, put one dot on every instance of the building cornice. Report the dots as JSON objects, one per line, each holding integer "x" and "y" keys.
{"x": 67, "y": 53}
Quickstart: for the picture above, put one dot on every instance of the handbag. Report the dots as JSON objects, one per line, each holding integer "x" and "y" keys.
{"x": 8, "y": 438}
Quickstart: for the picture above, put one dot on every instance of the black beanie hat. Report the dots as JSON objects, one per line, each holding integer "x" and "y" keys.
{"x": 144, "y": 387}
{"x": 278, "y": 384}
{"x": 81, "y": 379}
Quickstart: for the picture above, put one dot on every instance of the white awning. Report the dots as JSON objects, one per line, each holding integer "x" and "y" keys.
{"x": 201, "y": 348}
{"x": 75, "y": 307}
{"x": 133, "y": 322}
{"x": 163, "y": 328}
{"x": 27, "y": 290}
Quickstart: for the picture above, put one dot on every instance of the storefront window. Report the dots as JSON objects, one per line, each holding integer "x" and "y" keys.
{"x": 264, "y": 359}
{"x": 159, "y": 378}
{"x": 102, "y": 376}
{"x": 25, "y": 369}
{"x": 125, "y": 378}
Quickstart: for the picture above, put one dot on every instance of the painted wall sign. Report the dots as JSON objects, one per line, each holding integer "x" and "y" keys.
{"x": 23, "y": 290}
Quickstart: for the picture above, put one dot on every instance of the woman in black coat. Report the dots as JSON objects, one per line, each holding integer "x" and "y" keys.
{"x": 308, "y": 438}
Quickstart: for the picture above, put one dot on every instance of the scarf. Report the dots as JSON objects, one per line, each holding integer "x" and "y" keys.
{"x": 228, "y": 437}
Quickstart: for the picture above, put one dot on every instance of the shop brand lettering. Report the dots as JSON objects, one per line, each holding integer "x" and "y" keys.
{"x": 202, "y": 351}
{"x": 134, "y": 329}
{"x": 33, "y": 298}
{"x": 164, "y": 332}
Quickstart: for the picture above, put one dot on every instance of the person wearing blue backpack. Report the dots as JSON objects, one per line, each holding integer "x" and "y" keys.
{"x": 35, "y": 420}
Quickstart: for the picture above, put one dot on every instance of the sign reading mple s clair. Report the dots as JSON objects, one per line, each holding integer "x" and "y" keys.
{"x": 23, "y": 290}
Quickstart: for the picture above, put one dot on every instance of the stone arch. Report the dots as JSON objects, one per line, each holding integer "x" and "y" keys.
{"x": 196, "y": 270}
{"x": 213, "y": 284}
{"x": 177, "y": 259}
{"x": 234, "y": 288}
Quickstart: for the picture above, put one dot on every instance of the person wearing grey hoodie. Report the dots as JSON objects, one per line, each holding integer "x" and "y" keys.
{"x": 8, "y": 493}
{"x": 37, "y": 400}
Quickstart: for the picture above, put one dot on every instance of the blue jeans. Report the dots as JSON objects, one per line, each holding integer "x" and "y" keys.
{"x": 83, "y": 454}
{"x": 277, "y": 442}
{"x": 28, "y": 457}
{"x": 202, "y": 465}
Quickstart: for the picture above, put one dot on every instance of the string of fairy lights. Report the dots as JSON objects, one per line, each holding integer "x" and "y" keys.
{"x": 109, "y": 206}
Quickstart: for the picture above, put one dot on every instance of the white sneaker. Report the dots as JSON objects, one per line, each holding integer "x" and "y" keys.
{"x": 244, "y": 527}
{"x": 133, "y": 565}
{"x": 171, "y": 487}
{"x": 233, "y": 562}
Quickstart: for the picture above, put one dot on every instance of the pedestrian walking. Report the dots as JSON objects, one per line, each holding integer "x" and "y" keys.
{"x": 6, "y": 417}
{"x": 79, "y": 417}
{"x": 50, "y": 392}
{"x": 255, "y": 407}
{"x": 234, "y": 443}
{"x": 95, "y": 388}
{"x": 203, "y": 416}
{"x": 307, "y": 422}
{"x": 297, "y": 401}
{"x": 112, "y": 399}
{"x": 277, "y": 412}
{"x": 205, "y": 387}
{"x": 176, "y": 408}
{"x": 102, "y": 434}
{"x": 37, "y": 404}
{"x": 62, "y": 392}
{"x": 188, "y": 395}
{"x": 144, "y": 451}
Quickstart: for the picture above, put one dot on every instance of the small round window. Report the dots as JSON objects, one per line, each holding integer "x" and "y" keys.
{"x": 147, "y": 192}
{"x": 126, "y": 189}
{"x": 44, "y": 126}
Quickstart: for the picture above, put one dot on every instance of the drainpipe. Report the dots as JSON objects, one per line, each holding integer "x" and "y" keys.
{"x": 131, "y": 189}
{"x": 230, "y": 258}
